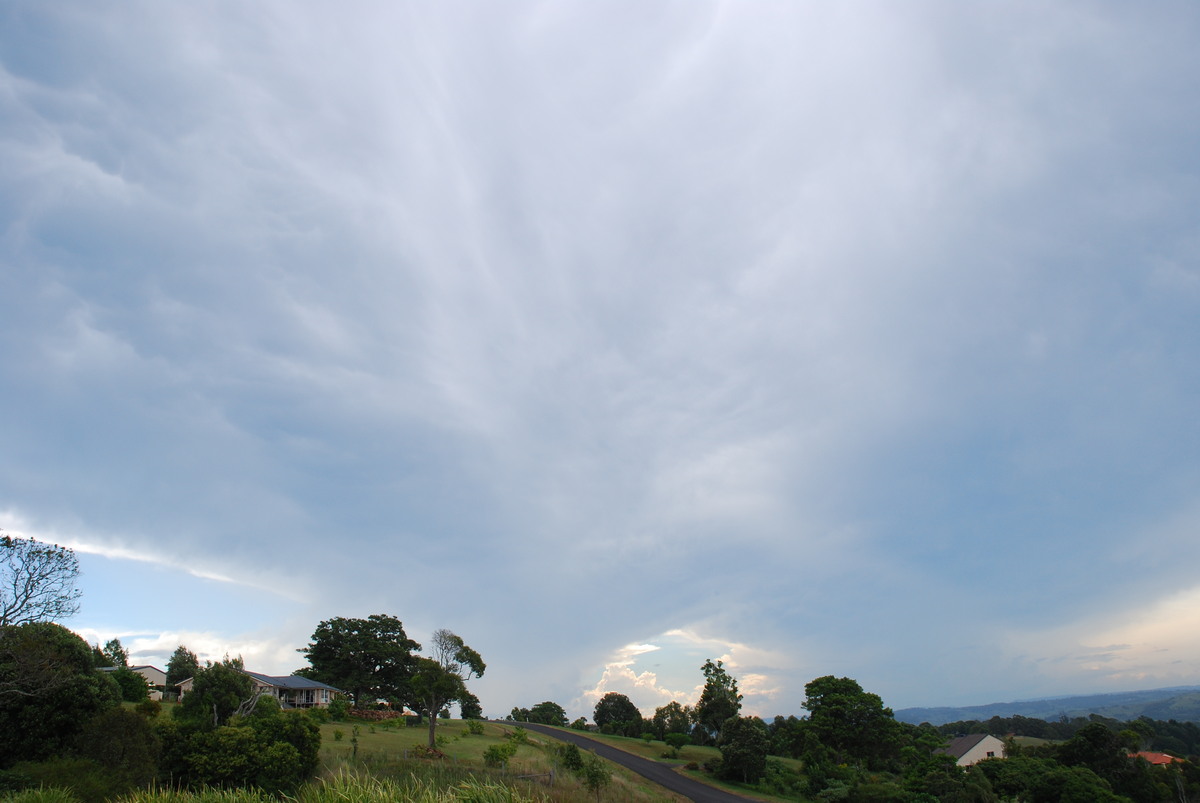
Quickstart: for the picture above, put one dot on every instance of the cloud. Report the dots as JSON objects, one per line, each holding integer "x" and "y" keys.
{"x": 801, "y": 324}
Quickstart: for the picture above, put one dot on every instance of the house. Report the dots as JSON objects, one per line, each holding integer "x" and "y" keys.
{"x": 1157, "y": 759}
{"x": 976, "y": 747}
{"x": 292, "y": 691}
{"x": 156, "y": 679}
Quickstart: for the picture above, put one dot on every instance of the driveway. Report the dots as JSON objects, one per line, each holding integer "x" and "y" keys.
{"x": 661, "y": 774}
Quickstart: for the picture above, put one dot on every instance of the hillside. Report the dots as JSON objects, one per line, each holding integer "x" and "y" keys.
{"x": 1180, "y": 703}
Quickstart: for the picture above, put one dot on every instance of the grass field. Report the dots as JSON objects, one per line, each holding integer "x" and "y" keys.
{"x": 392, "y": 751}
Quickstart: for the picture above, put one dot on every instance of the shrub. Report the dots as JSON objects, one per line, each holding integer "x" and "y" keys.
{"x": 570, "y": 756}
{"x": 498, "y": 754}
{"x": 84, "y": 779}
{"x": 475, "y": 727}
{"x": 339, "y": 708}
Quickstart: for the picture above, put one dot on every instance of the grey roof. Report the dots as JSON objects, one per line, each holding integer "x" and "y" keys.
{"x": 291, "y": 682}
{"x": 960, "y": 746}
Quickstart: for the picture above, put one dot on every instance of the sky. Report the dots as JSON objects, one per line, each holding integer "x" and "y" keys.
{"x": 855, "y": 339}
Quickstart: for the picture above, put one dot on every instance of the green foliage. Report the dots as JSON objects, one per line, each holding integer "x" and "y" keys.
{"x": 46, "y": 794}
{"x": 149, "y": 708}
{"x": 547, "y": 713}
{"x": 475, "y": 727}
{"x": 743, "y": 747}
{"x": 125, "y": 744}
{"x": 134, "y": 687}
{"x": 672, "y": 718}
{"x": 218, "y": 691}
{"x": 570, "y": 756}
{"x": 87, "y": 781}
{"x": 719, "y": 701}
{"x": 595, "y": 774}
{"x": 49, "y": 689}
{"x": 580, "y": 724}
{"x": 115, "y": 653}
{"x": 276, "y": 753}
{"x": 851, "y": 722}
{"x": 37, "y": 582}
{"x": 498, "y": 754}
{"x": 677, "y": 741}
{"x": 431, "y": 687}
{"x": 182, "y": 665}
{"x": 618, "y": 714}
{"x": 370, "y": 658}
{"x": 338, "y": 708}
{"x": 469, "y": 706}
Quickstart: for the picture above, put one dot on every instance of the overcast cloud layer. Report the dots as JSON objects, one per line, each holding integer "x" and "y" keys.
{"x": 855, "y": 339}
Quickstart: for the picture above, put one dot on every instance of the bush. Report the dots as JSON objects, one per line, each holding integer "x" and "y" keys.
{"x": 339, "y": 709}
{"x": 498, "y": 754}
{"x": 125, "y": 744}
{"x": 84, "y": 779}
{"x": 149, "y": 708}
{"x": 570, "y": 756}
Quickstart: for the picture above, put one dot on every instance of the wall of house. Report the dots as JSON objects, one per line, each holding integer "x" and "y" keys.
{"x": 989, "y": 744}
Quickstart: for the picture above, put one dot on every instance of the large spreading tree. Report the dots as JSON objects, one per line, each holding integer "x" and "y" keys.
{"x": 37, "y": 581}
{"x": 367, "y": 658}
{"x": 852, "y": 723}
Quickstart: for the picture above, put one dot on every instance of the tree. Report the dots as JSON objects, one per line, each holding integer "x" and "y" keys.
{"x": 719, "y": 701}
{"x": 218, "y": 692}
{"x": 469, "y": 706}
{"x": 672, "y": 718}
{"x": 547, "y": 713}
{"x": 677, "y": 741}
{"x": 618, "y": 712}
{"x": 115, "y": 653}
{"x": 369, "y": 658}
{"x": 134, "y": 687}
{"x": 743, "y": 747}
{"x": 49, "y": 689}
{"x": 37, "y": 581}
{"x": 595, "y": 774}
{"x": 182, "y": 665}
{"x": 851, "y": 722}
{"x": 441, "y": 680}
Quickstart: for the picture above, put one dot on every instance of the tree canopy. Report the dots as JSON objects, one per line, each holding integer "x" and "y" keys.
{"x": 545, "y": 713}
{"x": 438, "y": 681}
{"x": 719, "y": 701}
{"x": 182, "y": 665}
{"x": 617, "y": 711}
{"x": 218, "y": 692}
{"x": 368, "y": 658}
{"x": 49, "y": 689}
{"x": 851, "y": 722}
{"x": 37, "y": 581}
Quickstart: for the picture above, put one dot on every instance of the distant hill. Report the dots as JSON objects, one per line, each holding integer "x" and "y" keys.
{"x": 1180, "y": 703}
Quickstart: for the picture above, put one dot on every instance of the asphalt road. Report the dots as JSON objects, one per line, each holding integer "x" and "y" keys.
{"x": 661, "y": 774}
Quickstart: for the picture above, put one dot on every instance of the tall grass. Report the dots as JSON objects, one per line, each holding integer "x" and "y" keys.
{"x": 347, "y": 787}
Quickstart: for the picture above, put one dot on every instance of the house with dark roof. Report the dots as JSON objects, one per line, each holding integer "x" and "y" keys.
{"x": 292, "y": 691}
{"x": 973, "y": 748}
